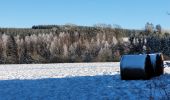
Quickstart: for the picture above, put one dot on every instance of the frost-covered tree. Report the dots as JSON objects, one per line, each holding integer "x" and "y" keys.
{"x": 65, "y": 53}
{"x": 149, "y": 28}
{"x": 105, "y": 54}
{"x": 72, "y": 53}
{"x": 159, "y": 28}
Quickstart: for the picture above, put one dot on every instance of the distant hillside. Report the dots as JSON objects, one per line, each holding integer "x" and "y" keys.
{"x": 36, "y": 29}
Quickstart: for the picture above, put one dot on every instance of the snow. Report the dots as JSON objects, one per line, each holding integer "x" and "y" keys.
{"x": 77, "y": 81}
{"x": 60, "y": 70}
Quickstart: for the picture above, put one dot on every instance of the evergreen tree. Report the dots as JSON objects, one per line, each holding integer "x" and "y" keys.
{"x": 12, "y": 55}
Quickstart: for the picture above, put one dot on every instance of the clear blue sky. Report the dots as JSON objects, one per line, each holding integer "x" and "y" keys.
{"x": 126, "y": 13}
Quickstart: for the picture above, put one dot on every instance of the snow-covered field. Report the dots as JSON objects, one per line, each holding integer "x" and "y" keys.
{"x": 78, "y": 81}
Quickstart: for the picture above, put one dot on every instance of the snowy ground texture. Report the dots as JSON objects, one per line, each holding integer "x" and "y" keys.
{"x": 78, "y": 81}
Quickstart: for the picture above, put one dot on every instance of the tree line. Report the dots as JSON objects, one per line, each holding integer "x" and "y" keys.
{"x": 51, "y": 44}
{"x": 71, "y": 43}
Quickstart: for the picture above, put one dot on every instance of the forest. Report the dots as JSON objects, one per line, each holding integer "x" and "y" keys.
{"x": 72, "y": 43}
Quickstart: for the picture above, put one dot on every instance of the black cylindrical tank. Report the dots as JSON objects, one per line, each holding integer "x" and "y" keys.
{"x": 136, "y": 67}
{"x": 157, "y": 63}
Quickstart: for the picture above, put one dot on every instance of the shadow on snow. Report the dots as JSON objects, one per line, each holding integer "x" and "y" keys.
{"x": 84, "y": 88}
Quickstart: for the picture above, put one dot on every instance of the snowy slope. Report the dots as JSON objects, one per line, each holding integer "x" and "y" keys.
{"x": 78, "y": 81}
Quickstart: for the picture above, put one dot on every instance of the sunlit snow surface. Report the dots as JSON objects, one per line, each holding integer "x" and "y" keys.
{"x": 61, "y": 70}
{"x": 78, "y": 81}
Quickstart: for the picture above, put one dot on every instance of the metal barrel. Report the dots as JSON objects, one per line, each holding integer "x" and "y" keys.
{"x": 157, "y": 63}
{"x": 134, "y": 67}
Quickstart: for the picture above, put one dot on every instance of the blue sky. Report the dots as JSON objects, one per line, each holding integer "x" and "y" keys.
{"x": 126, "y": 13}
